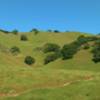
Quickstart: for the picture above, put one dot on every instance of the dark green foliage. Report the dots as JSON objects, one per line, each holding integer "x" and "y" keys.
{"x": 15, "y": 32}
{"x": 29, "y": 60}
{"x": 96, "y": 52}
{"x": 82, "y": 39}
{"x": 68, "y": 51}
{"x": 96, "y": 46}
{"x": 96, "y": 57}
{"x": 50, "y": 47}
{"x": 36, "y": 31}
{"x": 56, "y": 31}
{"x": 54, "y": 49}
{"x": 15, "y": 50}
{"x": 51, "y": 57}
{"x": 85, "y": 39}
{"x": 4, "y": 31}
{"x": 24, "y": 37}
{"x": 86, "y": 46}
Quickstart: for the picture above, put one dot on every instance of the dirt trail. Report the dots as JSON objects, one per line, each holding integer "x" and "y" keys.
{"x": 71, "y": 82}
{"x": 88, "y": 78}
{"x": 8, "y": 95}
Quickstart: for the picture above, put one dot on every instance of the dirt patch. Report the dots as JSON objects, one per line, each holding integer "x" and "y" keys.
{"x": 8, "y": 95}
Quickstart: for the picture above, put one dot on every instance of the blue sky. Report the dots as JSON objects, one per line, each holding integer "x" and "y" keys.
{"x": 72, "y": 15}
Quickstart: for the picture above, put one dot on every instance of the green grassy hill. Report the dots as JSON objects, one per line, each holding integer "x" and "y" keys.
{"x": 74, "y": 79}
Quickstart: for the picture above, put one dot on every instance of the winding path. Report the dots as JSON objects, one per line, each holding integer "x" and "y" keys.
{"x": 60, "y": 86}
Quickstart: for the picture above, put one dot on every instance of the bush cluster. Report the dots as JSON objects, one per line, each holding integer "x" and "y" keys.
{"x": 50, "y": 58}
{"x": 69, "y": 50}
{"x": 96, "y": 52}
{"x": 54, "y": 49}
{"x": 50, "y": 47}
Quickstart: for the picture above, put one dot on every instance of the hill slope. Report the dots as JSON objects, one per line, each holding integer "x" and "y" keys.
{"x": 73, "y": 79}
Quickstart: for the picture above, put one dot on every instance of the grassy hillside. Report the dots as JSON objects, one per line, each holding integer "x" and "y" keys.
{"x": 74, "y": 79}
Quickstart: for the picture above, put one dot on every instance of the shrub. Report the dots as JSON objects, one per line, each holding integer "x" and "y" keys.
{"x": 51, "y": 57}
{"x": 69, "y": 50}
{"x": 24, "y": 37}
{"x": 56, "y": 31}
{"x": 29, "y": 60}
{"x": 50, "y": 47}
{"x": 82, "y": 39}
{"x": 96, "y": 52}
{"x": 15, "y": 50}
{"x": 86, "y": 46}
{"x": 35, "y": 31}
{"x": 15, "y": 32}
{"x": 96, "y": 57}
